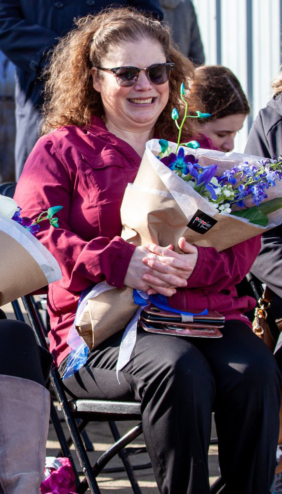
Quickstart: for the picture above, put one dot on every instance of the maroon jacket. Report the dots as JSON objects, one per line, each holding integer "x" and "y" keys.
{"x": 86, "y": 171}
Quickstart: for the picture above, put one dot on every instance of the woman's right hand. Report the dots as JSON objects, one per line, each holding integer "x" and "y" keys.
{"x": 137, "y": 269}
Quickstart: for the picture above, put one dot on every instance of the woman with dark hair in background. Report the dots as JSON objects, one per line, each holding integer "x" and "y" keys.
{"x": 222, "y": 96}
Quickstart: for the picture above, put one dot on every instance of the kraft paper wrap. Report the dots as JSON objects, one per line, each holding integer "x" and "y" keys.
{"x": 157, "y": 208}
{"x": 25, "y": 264}
{"x": 105, "y": 315}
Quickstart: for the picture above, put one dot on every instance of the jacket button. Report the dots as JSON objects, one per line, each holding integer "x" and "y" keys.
{"x": 90, "y": 2}
{"x": 58, "y": 5}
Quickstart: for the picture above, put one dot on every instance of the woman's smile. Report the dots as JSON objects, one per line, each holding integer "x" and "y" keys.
{"x": 142, "y": 101}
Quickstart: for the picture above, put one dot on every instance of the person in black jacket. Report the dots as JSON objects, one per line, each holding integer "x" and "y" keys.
{"x": 265, "y": 139}
{"x": 180, "y": 15}
{"x": 29, "y": 30}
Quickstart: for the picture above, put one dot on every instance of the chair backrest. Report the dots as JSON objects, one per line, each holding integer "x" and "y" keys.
{"x": 8, "y": 189}
{"x": 89, "y": 410}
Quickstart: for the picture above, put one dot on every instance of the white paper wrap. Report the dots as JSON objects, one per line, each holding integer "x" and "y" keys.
{"x": 25, "y": 264}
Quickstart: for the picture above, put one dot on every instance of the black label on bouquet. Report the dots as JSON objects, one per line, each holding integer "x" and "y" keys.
{"x": 201, "y": 222}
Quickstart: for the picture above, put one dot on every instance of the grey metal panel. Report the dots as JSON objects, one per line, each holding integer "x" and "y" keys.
{"x": 206, "y": 13}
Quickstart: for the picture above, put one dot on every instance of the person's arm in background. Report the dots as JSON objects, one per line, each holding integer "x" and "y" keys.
{"x": 23, "y": 43}
{"x": 196, "y": 49}
{"x": 268, "y": 265}
{"x": 257, "y": 143}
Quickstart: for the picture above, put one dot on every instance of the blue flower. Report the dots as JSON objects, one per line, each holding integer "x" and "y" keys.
{"x": 34, "y": 229}
{"x": 258, "y": 193}
{"x": 203, "y": 115}
{"x": 271, "y": 176}
{"x": 242, "y": 193}
{"x": 53, "y": 210}
{"x": 204, "y": 176}
{"x": 182, "y": 89}
{"x": 192, "y": 144}
{"x": 163, "y": 144}
{"x": 17, "y": 216}
{"x": 179, "y": 162}
{"x": 229, "y": 175}
{"x": 174, "y": 114}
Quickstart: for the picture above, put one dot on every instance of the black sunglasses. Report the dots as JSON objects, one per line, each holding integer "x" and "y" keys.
{"x": 157, "y": 73}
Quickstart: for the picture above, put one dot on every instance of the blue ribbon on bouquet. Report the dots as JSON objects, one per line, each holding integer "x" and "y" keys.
{"x": 161, "y": 302}
{"x": 80, "y": 351}
{"x": 79, "y": 354}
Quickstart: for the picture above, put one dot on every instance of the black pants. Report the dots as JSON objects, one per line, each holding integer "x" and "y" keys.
{"x": 20, "y": 356}
{"x": 179, "y": 382}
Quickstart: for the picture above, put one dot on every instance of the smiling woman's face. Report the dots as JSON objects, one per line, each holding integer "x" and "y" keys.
{"x": 222, "y": 131}
{"x": 138, "y": 107}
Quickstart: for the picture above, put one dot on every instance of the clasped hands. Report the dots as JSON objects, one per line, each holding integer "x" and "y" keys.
{"x": 156, "y": 269}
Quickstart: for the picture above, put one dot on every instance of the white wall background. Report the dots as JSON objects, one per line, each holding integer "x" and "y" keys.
{"x": 244, "y": 35}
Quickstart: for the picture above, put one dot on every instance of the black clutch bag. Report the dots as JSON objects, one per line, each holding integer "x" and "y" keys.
{"x": 155, "y": 320}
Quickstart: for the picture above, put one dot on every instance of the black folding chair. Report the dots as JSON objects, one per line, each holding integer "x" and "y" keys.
{"x": 78, "y": 413}
{"x": 88, "y": 410}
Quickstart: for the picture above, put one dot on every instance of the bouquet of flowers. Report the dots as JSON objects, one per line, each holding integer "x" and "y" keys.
{"x": 25, "y": 264}
{"x": 211, "y": 198}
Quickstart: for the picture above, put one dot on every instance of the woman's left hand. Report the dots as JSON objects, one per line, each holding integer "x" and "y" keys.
{"x": 170, "y": 265}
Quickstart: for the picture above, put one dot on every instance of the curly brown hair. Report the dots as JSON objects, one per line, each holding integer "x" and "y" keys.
{"x": 220, "y": 93}
{"x": 70, "y": 98}
{"x": 277, "y": 84}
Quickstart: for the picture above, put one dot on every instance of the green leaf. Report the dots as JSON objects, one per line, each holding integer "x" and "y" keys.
{"x": 258, "y": 214}
{"x": 254, "y": 215}
{"x": 268, "y": 207}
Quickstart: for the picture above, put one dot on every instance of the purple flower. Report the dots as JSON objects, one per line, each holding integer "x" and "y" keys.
{"x": 34, "y": 229}
{"x": 258, "y": 193}
{"x": 17, "y": 216}
{"x": 32, "y": 225}
{"x": 208, "y": 173}
{"x": 229, "y": 176}
{"x": 243, "y": 192}
{"x": 179, "y": 162}
{"x": 271, "y": 176}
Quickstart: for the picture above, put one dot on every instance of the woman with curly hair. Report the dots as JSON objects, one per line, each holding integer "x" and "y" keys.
{"x": 113, "y": 83}
{"x": 221, "y": 95}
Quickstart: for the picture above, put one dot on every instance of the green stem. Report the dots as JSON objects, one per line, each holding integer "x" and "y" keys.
{"x": 41, "y": 217}
{"x": 181, "y": 125}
